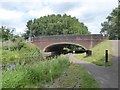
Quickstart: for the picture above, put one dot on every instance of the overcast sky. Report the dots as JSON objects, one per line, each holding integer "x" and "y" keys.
{"x": 16, "y": 13}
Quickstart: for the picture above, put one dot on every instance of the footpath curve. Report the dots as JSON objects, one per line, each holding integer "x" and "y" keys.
{"x": 107, "y": 77}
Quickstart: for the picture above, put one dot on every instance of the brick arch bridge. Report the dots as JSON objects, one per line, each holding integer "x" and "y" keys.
{"x": 86, "y": 41}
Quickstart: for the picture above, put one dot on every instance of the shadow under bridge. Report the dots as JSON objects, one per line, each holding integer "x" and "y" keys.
{"x": 64, "y": 48}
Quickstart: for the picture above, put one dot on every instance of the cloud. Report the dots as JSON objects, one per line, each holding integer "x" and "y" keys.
{"x": 93, "y": 12}
{"x": 15, "y": 13}
{"x": 11, "y": 18}
{"x": 39, "y": 13}
{"x": 62, "y": 7}
{"x": 9, "y": 14}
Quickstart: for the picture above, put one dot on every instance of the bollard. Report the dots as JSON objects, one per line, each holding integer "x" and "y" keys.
{"x": 88, "y": 53}
{"x": 106, "y": 56}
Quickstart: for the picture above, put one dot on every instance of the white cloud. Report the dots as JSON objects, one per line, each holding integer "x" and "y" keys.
{"x": 20, "y": 0}
{"x": 15, "y": 13}
{"x": 9, "y": 14}
{"x": 93, "y": 12}
{"x": 77, "y": 12}
{"x": 12, "y": 19}
{"x": 41, "y": 12}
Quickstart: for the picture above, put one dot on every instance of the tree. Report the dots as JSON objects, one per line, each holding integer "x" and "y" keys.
{"x": 6, "y": 33}
{"x": 112, "y": 26}
{"x": 55, "y": 25}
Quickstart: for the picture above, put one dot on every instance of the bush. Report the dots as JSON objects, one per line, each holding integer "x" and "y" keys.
{"x": 24, "y": 54}
{"x": 9, "y": 56}
{"x": 17, "y": 44}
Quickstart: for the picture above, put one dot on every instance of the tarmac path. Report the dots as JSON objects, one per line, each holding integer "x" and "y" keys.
{"x": 107, "y": 77}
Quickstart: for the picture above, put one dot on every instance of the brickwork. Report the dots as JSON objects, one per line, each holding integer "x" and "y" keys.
{"x": 87, "y": 41}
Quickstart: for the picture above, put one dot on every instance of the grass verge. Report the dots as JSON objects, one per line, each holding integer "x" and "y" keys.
{"x": 74, "y": 77}
{"x": 87, "y": 80}
{"x": 98, "y": 56}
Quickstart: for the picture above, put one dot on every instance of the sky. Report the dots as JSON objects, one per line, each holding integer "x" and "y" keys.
{"x": 16, "y": 13}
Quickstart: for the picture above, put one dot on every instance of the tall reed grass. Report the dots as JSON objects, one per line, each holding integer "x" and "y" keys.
{"x": 33, "y": 74}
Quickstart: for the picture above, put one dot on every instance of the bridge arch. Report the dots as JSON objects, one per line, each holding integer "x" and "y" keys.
{"x": 60, "y": 46}
{"x": 86, "y": 41}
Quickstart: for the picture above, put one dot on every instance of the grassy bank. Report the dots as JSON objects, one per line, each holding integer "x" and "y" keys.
{"x": 98, "y": 56}
{"x": 34, "y": 75}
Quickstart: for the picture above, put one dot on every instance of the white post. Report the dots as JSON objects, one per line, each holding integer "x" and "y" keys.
{"x": 116, "y": 37}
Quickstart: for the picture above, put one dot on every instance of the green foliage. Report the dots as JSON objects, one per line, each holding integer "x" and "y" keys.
{"x": 98, "y": 56}
{"x": 5, "y": 33}
{"x": 111, "y": 27}
{"x": 72, "y": 48}
{"x": 14, "y": 79}
{"x": 8, "y": 56}
{"x": 25, "y": 76}
{"x": 47, "y": 70}
{"x": 17, "y": 44}
{"x": 20, "y": 43}
{"x": 66, "y": 49}
{"x": 25, "y": 54}
{"x": 75, "y": 76}
{"x": 55, "y": 25}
